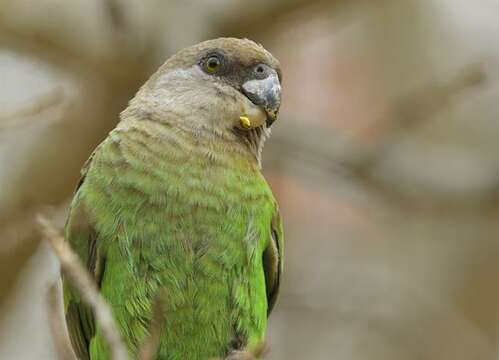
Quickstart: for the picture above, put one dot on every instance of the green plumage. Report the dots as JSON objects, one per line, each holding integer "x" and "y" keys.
{"x": 153, "y": 211}
{"x": 173, "y": 201}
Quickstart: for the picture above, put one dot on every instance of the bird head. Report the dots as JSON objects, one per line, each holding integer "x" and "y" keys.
{"x": 222, "y": 84}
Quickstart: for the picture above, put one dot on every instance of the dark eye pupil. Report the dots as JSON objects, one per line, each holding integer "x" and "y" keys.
{"x": 260, "y": 69}
{"x": 213, "y": 63}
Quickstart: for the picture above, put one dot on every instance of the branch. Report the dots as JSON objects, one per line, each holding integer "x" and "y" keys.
{"x": 248, "y": 18}
{"x": 322, "y": 150}
{"x": 81, "y": 280}
{"x": 150, "y": 346}
{"x": 257, "y": 353}
{"x": 62, "y": 344}
{"x": 60, "y": 53}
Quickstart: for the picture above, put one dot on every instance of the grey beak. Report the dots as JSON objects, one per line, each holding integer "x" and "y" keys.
{"x": 265, "y": 93}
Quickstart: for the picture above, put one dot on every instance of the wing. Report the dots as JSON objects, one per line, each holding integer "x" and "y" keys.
{"x": 83, "y": 238}
{"x": 273, "y": 261}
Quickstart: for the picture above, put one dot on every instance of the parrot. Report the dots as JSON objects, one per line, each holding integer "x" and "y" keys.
{"x": 173, "y": 200}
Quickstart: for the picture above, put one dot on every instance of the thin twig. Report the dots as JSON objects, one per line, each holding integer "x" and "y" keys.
{"x": 150, "y": 346}
{"x": 80, "y": 278}
{"x": 257, "y": 353}
{"x": 61, "y": 340}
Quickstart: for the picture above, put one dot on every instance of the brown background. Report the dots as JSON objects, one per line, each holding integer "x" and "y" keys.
{"x": 384, "y": 159}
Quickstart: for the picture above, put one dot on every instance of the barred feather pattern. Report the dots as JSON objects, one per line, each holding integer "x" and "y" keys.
{"x": 187, "y": 211}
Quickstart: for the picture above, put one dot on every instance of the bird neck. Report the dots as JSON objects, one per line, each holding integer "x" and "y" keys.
{"x": 254, "y": 140}
{"x": 247, "y": 145}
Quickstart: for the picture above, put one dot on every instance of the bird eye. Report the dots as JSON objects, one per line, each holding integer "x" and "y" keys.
{"x": 212, "y": 64}
{"x": 260, "y": 71}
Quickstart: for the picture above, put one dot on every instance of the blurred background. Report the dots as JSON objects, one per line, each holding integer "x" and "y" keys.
{"x": 384, "y": 159}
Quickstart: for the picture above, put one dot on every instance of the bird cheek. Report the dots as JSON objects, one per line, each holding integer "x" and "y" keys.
{"x": 251, "y": 116}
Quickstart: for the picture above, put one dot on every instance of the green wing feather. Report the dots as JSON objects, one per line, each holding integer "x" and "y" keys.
{"x": 81, "y": 235}
{"x": 272, "y": 260}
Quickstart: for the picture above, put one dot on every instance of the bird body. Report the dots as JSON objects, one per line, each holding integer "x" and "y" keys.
{"x": 173, "y": 200}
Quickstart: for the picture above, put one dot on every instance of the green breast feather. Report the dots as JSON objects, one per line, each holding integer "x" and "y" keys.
{"x": 156, "y": 212}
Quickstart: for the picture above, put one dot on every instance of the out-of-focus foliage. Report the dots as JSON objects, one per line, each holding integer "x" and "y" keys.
{"x": 384, "y": 159}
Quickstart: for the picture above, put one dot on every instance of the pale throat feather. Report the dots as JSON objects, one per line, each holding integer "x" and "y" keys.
{"x": 203, "y": 111}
